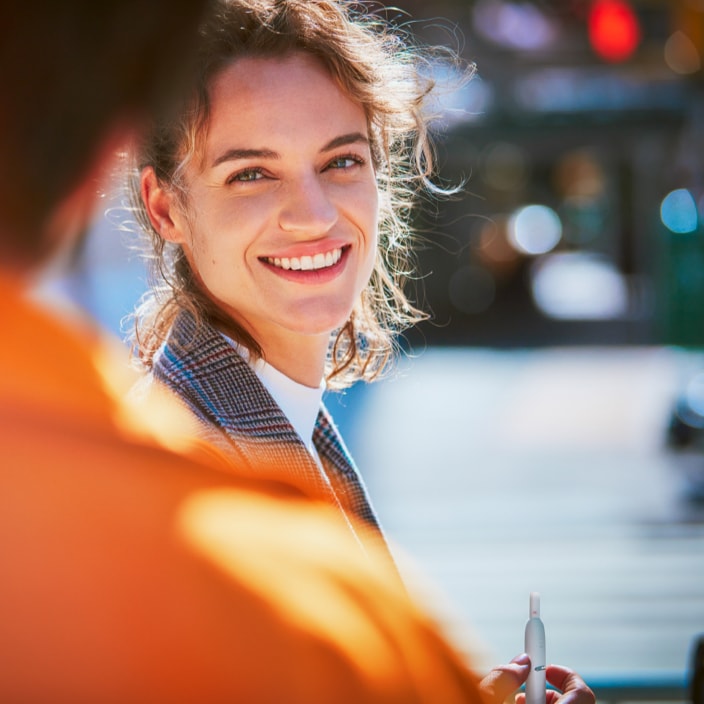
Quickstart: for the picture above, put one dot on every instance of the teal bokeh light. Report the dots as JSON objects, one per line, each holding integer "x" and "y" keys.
{"x": 678, "y": 211}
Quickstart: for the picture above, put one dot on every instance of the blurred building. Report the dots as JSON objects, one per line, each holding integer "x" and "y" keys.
{"x": 581, "y": 141}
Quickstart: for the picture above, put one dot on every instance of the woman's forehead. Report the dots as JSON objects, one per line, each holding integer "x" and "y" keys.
{"x": 276, "y": 100}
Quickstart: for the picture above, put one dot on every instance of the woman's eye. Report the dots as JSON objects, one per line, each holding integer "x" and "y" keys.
{"x": 246, "y": 176}
{"x": 344, "y": 162}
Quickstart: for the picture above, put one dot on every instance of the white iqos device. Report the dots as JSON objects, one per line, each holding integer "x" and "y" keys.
{"x": 535, "y": 647}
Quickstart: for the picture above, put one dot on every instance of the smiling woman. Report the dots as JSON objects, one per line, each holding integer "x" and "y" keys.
{"x": 277, "y": 206}
{"x": 280, "y": 227}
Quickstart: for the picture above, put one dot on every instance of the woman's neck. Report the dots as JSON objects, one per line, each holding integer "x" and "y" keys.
{"x": 300, "y": 357}
{"x": 303, "y": 362}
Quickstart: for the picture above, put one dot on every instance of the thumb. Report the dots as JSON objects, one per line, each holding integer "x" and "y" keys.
{"x": 504, "y": 680}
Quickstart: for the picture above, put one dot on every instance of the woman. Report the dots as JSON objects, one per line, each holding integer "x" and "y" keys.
{"x": 277, "y": 206}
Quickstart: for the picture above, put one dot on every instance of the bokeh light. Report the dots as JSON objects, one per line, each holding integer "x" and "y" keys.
{"x": 614, "y": 30}
{"x": 579, "y": 286}
{"x": 493, "y": 246}
{"x": 579, "y": 175}
{"x": 535, "y": 229}
{"x": 516, "y": 25}
{"x": 681, "y": 54}
{"x": 678, "y": 211}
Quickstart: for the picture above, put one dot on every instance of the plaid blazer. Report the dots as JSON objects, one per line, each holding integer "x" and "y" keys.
{"x": 238, "y": 414}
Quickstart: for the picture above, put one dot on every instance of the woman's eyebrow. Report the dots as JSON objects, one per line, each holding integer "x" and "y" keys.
{"x": 234, "y": 154}
{"x": 344, "y": 140}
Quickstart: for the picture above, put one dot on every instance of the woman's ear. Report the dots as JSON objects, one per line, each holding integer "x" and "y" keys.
{"x": 161, "y": 207}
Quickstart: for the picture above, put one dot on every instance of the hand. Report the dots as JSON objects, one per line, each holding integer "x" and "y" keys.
{"x": 504, "y": 680}
{"x": 573, "y": 688}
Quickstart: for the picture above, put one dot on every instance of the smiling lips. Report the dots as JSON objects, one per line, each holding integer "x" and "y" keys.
{"x": 306, "y": 262}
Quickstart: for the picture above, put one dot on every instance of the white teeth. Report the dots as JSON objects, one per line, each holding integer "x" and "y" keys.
{"x": 306, "y": 262}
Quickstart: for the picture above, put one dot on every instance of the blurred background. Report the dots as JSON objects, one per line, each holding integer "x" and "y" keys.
{"x": 581, "y": 141}
{"x": 546, "y": 431}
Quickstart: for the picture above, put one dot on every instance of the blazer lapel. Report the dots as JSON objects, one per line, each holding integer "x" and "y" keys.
{"x": 239, "y": 415}
{"x": 341, "y": 468}
{"x": 221, "y": 389}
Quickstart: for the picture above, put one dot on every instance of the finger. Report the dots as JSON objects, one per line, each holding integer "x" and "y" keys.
{"x": 574, "y": 689}
{"x": 552, "y": 696}
{"x": 504, "y": 680}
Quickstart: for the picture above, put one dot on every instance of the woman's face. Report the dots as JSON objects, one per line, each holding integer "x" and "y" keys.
{"x": 282, "y": 214}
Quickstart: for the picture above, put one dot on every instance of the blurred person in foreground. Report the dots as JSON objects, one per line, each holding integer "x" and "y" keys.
{"x": 135, "y": 567}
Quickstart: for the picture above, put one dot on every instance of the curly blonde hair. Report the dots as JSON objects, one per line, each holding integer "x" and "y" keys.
{"x": 378, "y": 67}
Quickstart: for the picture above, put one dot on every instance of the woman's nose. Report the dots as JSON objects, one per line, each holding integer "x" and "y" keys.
{"x": 307, "y": 208}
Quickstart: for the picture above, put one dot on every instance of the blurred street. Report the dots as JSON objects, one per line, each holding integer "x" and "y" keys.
{"x": 545, "y": 470}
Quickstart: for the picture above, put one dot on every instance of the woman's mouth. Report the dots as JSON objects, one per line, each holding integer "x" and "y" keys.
{"x": 322, "y": 260}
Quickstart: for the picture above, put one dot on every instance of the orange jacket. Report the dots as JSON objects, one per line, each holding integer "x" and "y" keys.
{"x": 131, "y": 573}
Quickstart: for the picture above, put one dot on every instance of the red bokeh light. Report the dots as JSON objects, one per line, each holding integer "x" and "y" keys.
{"x": 614, "y": 30}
